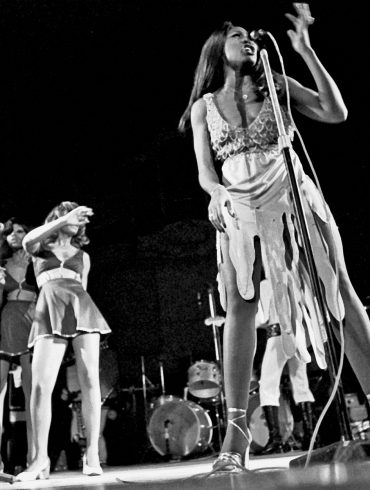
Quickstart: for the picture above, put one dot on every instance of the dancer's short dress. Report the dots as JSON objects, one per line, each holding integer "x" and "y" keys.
{"x": 64, "y": 308}
{"x": 16, "y": 318}
{"x": 255, "y": 175}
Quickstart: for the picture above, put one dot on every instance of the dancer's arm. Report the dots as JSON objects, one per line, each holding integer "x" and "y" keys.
{"x": 77, "y": 217}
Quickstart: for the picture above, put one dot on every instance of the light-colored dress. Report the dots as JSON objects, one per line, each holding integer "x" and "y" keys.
{"x": 255, "y": 175}
{"x": 63, "y": 307}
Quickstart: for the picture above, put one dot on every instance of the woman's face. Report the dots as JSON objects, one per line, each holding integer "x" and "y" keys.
{"x": 239, "y": 48}
{"x": 70, "y": 230}
{"x": 16, "y": 236}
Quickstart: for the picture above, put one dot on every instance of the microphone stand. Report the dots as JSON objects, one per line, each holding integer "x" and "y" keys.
{"x": 217, "y": 322}
{"x": 285, "y": 144}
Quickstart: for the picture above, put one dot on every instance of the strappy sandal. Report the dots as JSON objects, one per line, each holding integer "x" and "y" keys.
{"x": 230, "y": 461}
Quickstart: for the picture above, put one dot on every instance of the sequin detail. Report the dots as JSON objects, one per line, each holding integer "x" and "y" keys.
{"x": 259, "y": 136}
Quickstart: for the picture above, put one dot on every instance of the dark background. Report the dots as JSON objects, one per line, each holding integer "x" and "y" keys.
{"x": 91, "y": 92}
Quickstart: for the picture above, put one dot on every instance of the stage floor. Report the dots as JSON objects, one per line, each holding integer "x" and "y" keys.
{"x": 265, "y": 474}
{"x": 272, "y": 473}
{"x": 176, "y": 473}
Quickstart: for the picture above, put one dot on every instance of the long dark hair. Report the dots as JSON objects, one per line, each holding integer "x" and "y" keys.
{"x": 78, "y": 240}
{"x": 5, "y": 249}
{"x": 209, "y": 75}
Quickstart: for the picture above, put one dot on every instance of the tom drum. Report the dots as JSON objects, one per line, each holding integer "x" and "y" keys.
{"x": 204, "y": 379}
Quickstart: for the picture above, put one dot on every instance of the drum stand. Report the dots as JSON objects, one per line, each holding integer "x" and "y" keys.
{"x": 217, "y": 322}
{"x": 145, "y": 380}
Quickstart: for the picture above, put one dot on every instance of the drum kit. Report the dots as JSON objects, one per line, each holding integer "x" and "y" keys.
{"x": 189, "y": 426}
{"x": 183, "y": 427}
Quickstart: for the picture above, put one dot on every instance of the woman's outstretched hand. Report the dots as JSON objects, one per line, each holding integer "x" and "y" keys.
{"x": 299, "y": 36}
{"x": 220, "y": 199}
{"x": 78, "y": 216}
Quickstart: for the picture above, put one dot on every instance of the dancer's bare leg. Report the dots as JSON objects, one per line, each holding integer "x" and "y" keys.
{"x": 239, "y": 345}
{"x": 47, "y": 358}
{"x": 26, "y": 386}
{"x": 356, "y": 323}
{"x": 4, "y": 371}
{"x": 87, "y": 352}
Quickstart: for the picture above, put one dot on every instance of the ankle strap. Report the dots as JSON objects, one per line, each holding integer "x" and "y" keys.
{"x": 232, "y": 410}
{"x": 242, "y": 415}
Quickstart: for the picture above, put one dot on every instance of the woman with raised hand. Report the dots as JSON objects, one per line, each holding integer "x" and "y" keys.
{"x": 65, "y": 313}
{"x": 233, "y": 125}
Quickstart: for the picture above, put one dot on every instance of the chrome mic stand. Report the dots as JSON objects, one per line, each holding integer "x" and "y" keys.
{"x": 285, "y": 145}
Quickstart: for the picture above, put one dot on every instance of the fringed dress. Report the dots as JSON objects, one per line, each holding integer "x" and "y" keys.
{"x": 63, "y": 308}
{"x": 254, "y": 173}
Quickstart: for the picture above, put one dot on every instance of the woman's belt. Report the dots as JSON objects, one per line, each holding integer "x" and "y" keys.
{"x": 59, "y": 273}
{"x": 21, "y": 295}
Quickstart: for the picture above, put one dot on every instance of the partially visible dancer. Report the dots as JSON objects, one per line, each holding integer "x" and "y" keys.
{"x": 65, "y": 313}
{"x": 17, "y": 300}
{"x": 235, "y": 131}
{"x": 273, "y": 362}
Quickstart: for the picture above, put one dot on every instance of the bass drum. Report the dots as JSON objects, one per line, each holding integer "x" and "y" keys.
{"x": 258, "y": 426}
{"x": 163, "y": 399}
{"x": 179, "y": 428}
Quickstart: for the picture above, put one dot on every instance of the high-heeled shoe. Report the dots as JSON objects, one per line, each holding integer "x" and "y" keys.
{"x": 230, "y": 461}
{"x": 90, "y": 470}
{"x": 42, "y": 473}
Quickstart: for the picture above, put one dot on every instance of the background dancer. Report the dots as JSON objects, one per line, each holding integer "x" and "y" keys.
{"x": 17, "y": 301}
{"x": 64, "y": 312}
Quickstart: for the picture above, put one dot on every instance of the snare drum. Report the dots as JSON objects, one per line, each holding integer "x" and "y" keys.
{"x": 204, "y": 379}
{"x": 179, "y": 427}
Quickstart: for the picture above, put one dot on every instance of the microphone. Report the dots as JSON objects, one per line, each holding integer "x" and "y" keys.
{"x": 258, "y": 35}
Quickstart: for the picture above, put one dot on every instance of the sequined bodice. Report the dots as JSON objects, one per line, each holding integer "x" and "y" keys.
{"x": 261, "y": 135}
